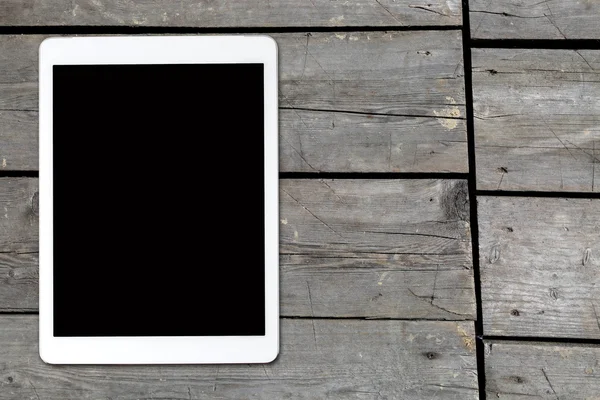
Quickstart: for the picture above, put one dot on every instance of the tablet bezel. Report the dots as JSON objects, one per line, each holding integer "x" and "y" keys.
{"x": 153, "y": 349}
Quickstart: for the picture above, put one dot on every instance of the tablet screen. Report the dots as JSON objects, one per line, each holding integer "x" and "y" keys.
{"x": 158, "y": 179}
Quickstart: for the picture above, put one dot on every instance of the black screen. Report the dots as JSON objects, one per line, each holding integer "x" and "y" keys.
{"x": 158, "y": 200}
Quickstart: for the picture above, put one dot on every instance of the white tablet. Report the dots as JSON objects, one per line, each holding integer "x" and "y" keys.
{"x": 158, "y": 200}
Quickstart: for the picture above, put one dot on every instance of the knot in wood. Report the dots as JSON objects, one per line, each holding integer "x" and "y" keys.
{"x": 455, "y": 200}
{"x": 516, "y": 379}
{"x": 35, "y": 204}
{"x": 494, "y": 254}
{"x": 587, "y": 254}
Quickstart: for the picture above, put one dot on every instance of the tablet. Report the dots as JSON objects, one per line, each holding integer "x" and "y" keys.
{"x": 158, "y": 200}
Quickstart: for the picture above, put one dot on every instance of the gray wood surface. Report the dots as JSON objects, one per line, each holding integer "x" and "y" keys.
{"x": 533, "y": 19}
{"x": 19, "y": 209}
{"x": 539, "y": 260}
{"x": 550, "y": 371}
{"x": 18, "y": 139}
{"x": 395, "y": 248}
{"x": 537, "y": 119}
{"x": 314, "y": 141}
{"x": 349, "y": 248}
{"x": 335, "y": 359}
{"x": 231, "y": 13}
{"x": 331, "y": 84}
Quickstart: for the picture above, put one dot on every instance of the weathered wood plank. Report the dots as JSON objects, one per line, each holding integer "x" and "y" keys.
{"x": 210, "y": 14}
{"x": 349, "y": 248}
{"x": 537, "y": 124}
{"x": 539, "y": 266}
{"x": 19, "y": 208}
{"x": 408, "y": 73}
{"x": 418, "y": 74}
{"x": 18, "y": 244}
{"x": 532, "y": 19}
{"x": 340, "y": 142}
{"x": 376, "y": 248}
{"x": 337, "y": 359}
{"x": 18, "y": 140}
{"x": 525, "y": 370}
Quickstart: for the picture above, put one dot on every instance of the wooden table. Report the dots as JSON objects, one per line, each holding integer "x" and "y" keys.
{"x": 395, "y": 282}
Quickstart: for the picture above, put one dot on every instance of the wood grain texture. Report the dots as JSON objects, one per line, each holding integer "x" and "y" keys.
{"x": 532, "y": 19}
{"x": 537, "y": 125}
{"x": 406, "y": 73}
{"x": 314, "y": 141}
{"x": 525, "y": 370}
{"x": 18, "y": 140}
{"x": 395, "y": 248}
{"x": 331, "y": 84}
{"x": 19, "y": 208}
{"x": 211, "y": 14}
{"x": 335, "y": 359}
{"x": 539, "y": 260}
{"x": 349, "y": 248}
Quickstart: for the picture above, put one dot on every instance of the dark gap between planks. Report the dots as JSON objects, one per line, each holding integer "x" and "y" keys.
{"x": 558, "y": 44}
{"x": 474, "y": 224}
{"x": 531, "y": 193}
{"x": 542, "y": 339}
{"x": 368, "y": 113}
{"x": 144, "y": 30}
{"x": 373, "y": 175}
{"x": 19, "y": 174}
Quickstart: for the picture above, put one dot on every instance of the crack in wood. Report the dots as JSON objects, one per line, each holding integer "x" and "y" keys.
{"x": 367, "y": 113}
{"x": 34, "y": 390}
{"x": 552, "y": 21}
{"x": 584, "y": 59}
{"x": 505, "y": 14}
{"x": 593, "y": 156}
{"x": 312, "y": 312}
{"x": 216, "y": 380}
{"x": 431, "y": 299}
{"x": 413, "y": 234}
{"x": 596, "y": 315}
{"x": 550, "y": 384}
{"x": 593, "y": 164}
{"x": 311, "y": 213}
{"x": 427, "y": 8}
{"x": 561, "y": 142}
{"x": 332, "y": 191}
{"x": 389, "y": 12}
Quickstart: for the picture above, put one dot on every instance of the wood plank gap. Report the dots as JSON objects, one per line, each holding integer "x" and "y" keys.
{"x": 557, "y": 44}
{"x": 538, "y": 339}
{"x": 533, "y": 193}
{"x": 19, "y": 174}
{"x": 308, "y": 317}
{"x": 18, "y": 312}
{"x": 468, "y": 77}
{"x": 373, "y": 175}
{"x": 374, "y": 113}
{"x": 128, "y": 30}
